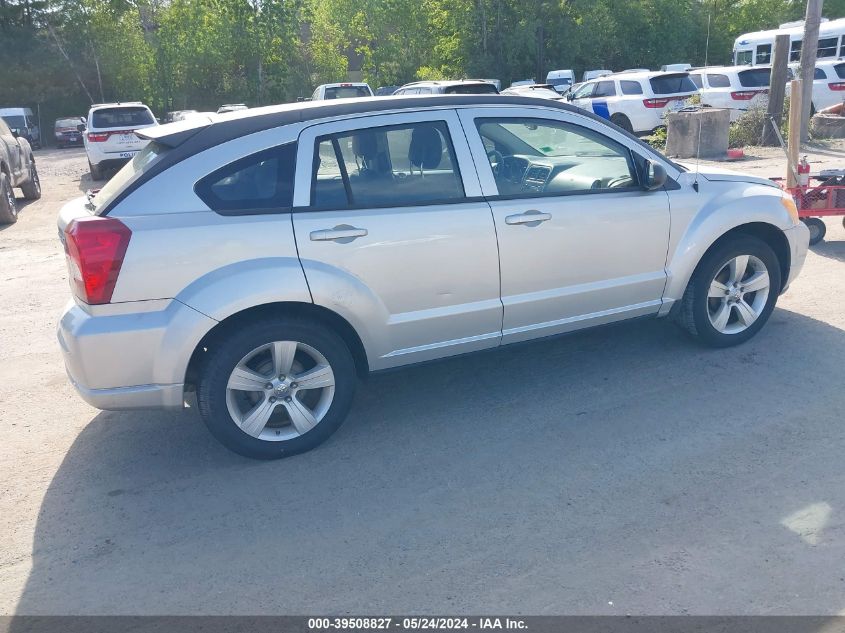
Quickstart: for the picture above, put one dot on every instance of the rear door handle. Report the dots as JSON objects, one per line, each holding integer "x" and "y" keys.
{"x": 342, "y": 233}
{"x": 532, "y": 218}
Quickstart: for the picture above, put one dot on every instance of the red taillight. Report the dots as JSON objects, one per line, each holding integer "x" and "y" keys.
{"x": 95, "y": 248}
{"x": 656, "y": 103}
{"x": 98, "y": 137}
{"x": 840, "y": 85}
{"x": 746, "y": 95}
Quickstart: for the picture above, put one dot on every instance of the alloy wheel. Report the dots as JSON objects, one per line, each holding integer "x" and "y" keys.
{"x": 738, "y": 294}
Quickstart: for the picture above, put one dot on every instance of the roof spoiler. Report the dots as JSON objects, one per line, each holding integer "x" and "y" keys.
{"x": 174, "y": 134}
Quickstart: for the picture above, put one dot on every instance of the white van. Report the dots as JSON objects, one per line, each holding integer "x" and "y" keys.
{"x": 562, "y": 80}
{"x": 595, "y": 74}
{"x": 24, "y": 122}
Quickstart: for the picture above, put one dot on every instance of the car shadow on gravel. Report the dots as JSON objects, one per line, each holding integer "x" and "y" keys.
{"x": 622, "y": 464}
{"x": 833, "y": 249}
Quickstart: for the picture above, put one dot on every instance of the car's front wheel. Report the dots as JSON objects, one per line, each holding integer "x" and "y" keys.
{"x": 732, "y": 292}
{"x": 32, "y": 187}
{"x": 8, "y": 204}
{"x": 276, "y": 387}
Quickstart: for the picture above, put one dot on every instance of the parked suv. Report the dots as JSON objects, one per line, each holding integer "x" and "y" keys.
{"x": 736, "y": 88}
{"x": 346, "y": 90}
{"x": 267, "y": 261}
{"x": 828, "y": 84}
{"x": 110, "y": 139}
{"x": 636, "y": 101}
{"x": 17, "y": 169}
{"x": 457, "y": 87}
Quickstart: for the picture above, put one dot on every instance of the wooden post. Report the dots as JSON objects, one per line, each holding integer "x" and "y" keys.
{"x": 809, "y": 49}
{"x": 777, "y": 89}
{"x": 794, "y": 139}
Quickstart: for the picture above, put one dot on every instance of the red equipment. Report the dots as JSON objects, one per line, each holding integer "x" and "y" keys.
{"x": 814, "y": 201}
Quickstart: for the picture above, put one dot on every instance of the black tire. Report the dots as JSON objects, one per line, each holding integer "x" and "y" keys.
{"x": 817, "y": 229}
{"x": 693, "y": 313}
{"x": 96, "y": 172}
{"x": 32, "y": 187}
{"x": 8, "y": 204}
{"x": 622, "y": 121}
{"x": 228, "y": 351}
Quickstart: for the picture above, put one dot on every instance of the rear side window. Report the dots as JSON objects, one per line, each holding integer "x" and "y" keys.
{"x": 819, "y": 74}
{"x": 605, "y": 89}
{"x": 631, "y": 87}
{"x": 672, "y": 84}
{"x": 471, "y": 89}
{"x": 754, "y": 78}
{"x": 401, "y": 165}
{"x": 121, "y": 117}
{"x": 717, "y": 80}
{"x": 346, "y": 92}
{"x": 260, "y": 183}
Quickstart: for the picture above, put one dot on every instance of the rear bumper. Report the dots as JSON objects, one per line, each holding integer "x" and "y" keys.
{"x": 130, "y": 356}
{"x": 799, "y": 241}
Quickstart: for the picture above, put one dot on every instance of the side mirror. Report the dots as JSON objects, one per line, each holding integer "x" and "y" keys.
{"x": 80, "y": 127}
{"x": 568, "y": 96}
{"x": 16, "y": 132}
{"x": 655, "y": 176}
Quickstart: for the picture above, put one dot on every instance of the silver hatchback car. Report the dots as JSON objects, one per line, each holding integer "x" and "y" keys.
{"x": 266, "y": 259}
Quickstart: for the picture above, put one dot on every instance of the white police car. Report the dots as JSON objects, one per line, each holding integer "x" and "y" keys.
{"x": 635, "y": 101}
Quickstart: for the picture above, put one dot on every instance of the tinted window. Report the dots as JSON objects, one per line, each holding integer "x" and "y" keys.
{"x": 819, "y": 74}
{"x": 716, "y": 80}
{"x": 605, "y": 89}
{"x": 121, "y": 117}
{"x": 827, "y": 47}
{"x": 346, "y": 92}
{"x": 399, "y": 165}
{"x": 536, "y": 156}
{"x": 795, "y": 51}
{"x": 764, "y": 53}
{"x": 754, "y": 78}
{"x": 258, "y": 183}
{"x": 696, "y": 79}
{"x": 471, "y": 89}
{"x": 129, "y": 173}
{"x": 672, "y": 84}
{"x": 631, "y": 87}
{"x": 840, "y": 70}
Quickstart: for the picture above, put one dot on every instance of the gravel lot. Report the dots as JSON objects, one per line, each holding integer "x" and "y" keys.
{"x": 623, "y": 470}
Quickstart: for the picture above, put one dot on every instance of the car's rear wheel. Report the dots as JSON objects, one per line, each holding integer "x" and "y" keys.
{"x": 732, "y": 292}
{"x": 622, "y": 121}
{"x": 8, "y": 204}
{"x": 96, "y": 172}
{"x": 817, "y": 229}
{"x": 32, "y": 188}
{"x": 276, "y": 388}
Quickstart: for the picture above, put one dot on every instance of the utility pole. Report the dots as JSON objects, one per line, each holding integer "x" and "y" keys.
{"x": 777, "y": 89}
{"x": 809, "y": 48}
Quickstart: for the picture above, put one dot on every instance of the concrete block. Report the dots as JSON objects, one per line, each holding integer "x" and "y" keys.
{"x": 682, "y": 133}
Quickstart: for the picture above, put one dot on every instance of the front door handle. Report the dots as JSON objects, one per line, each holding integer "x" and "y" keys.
{"x": 343, "y": 233}
{"x": 531, "y": 218}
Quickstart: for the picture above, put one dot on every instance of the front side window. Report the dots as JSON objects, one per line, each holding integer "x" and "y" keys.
{"x": 532, "y": 157}
{"x": 764, "y": 53}
{"x": 260, "y": 183}
{"x": 631, "y": 87}
{"x": 718, "y": 80}
{"x": 827, "y": 47}
{"x": 399, "y": 165}
{"x": 605, "y": 89}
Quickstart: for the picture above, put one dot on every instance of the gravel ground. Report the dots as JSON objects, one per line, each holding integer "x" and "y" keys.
{"x": 622, "y": 470}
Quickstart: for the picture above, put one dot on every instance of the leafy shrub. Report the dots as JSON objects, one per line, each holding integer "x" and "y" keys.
{"x": 657, "y": 139}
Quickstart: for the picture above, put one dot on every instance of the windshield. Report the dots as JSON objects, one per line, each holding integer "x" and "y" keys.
{"x": 754, "y": 78}
{"x": 560, "y": 81}
{"x": 130, "y": 172}
{"x": 672, "y": 84}
{"x": 347, "y": 92}
{"x": 121, "y": 117}
{"x": 471, "y": 89}
{"x": 15, "y": 121}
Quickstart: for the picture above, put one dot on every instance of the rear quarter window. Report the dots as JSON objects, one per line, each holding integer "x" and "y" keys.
{"x": 696, "y": 79}
{"x": 840, "y": 70}
{"x": 631, "y": 87}
{"x": 672, "y": 84}
{"x": 259, "y": 183}
{"x": 121, "y": 117}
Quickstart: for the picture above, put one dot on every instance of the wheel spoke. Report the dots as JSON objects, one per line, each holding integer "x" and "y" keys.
{"x": 243, "y": 379}
{"x": 717, "y": 289}
{"x": 255, "y": 421}
{"x": 720, "y": 319}
{"x": 319, "y": 376}
{"x": 283, "y": 353}
{"x": 738, "y": 266}
{"x": 300, "y": 416}
{"x": 746, "y": 312}
{"x": 756, "y": 282}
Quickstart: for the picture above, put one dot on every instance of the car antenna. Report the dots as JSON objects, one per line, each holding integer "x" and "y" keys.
{"x": 698, "y": 146}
